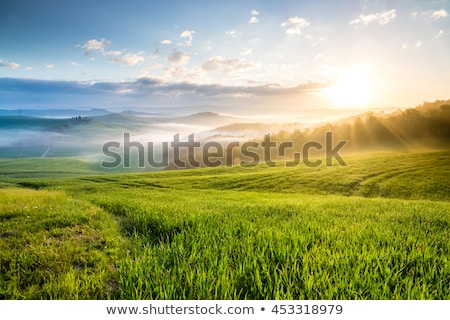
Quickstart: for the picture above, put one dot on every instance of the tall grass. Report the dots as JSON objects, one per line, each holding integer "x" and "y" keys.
{"x": 377, "y": 229}
{"x": 245, "y": 245}
{"x": 55, "y": 247}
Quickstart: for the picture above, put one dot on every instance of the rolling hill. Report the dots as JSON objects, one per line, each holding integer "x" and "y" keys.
{"x": 375, "y": 229}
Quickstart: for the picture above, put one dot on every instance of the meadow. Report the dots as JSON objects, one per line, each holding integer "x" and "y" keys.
{"x": 375, "y": 229}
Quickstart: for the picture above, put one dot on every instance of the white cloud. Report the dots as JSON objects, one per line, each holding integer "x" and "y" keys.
{"x": 212, "y": 63}
{"x": 440, "y": 33}
{"x": 179, "y": 57}
{"x": 75, "y": 64}
{"x": 28, "y": 68}
{"x": 166, "y": 41}
{"x": 246, "y": 52}
{"x": 218, "y": 63}
{"x": 439, "y": 14}
{"x": 295, "y": 25}
{"x": 9, "y": 65}
{"x": 382, "y": 18}
{"x": 233, "y": 33}
{"x": 129, "y": 59}
{"x": 95, "y": 44}
{"x": 253, "y": 20}
{"x": 433, "y": 14}
{"x": 13, "y": 65}
{"x": 387, "y": 16}
{"x": 114, "y": 53}
{"x": 49, "y": 66}
{"x": 364, "y": 19}
{"x": 189, "y": 35}
{"x": 150, "y": 69}
{"x": 418, "y": 44}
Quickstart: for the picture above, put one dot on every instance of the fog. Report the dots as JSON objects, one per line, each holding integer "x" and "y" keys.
{"x": 84, "y": 137}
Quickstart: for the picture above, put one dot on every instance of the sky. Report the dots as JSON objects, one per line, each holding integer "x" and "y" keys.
{"x": 262, "y": 58}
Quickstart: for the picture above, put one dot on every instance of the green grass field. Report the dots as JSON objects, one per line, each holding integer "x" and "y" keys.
{"x": 375, "y": 229}
{"x": 44, "y": 168}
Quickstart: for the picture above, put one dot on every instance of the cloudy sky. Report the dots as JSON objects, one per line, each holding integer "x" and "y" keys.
{"x": 235, "y": 56}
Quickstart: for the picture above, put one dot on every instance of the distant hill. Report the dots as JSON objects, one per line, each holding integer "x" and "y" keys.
{"x": 425, "y": 126}
{"x": 104, "y": 119}
{"x": 15, "y": 122}
{"x": 53, "y": 113}
{"x": 257, "y": 127}
{"x": 61, "y": 125}
{"x": 124, "y": 120}
{"x": 136, "y": 120}
{"x": 75, "y": 133}
{"x": 431, "y": 107}
{"x": 210, "y": 119}
{"x": 143, "y": 114}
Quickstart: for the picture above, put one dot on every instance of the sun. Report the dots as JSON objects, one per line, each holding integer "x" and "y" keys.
{"x": 353, "y": 90}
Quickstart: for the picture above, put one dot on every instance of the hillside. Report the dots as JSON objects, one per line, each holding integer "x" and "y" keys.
{"x": 52, "y": 113}
{"x": 77, "y": 136}
{"x": 11, "y": 169}
{"x": 387, "y": 175}
{"x": 210, "y": 119}
{"x": 426, "y": 126}
{"x": 376, "y": 229}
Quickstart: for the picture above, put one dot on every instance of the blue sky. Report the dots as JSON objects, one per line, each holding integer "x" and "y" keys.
{"x": 250, "y": 57}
